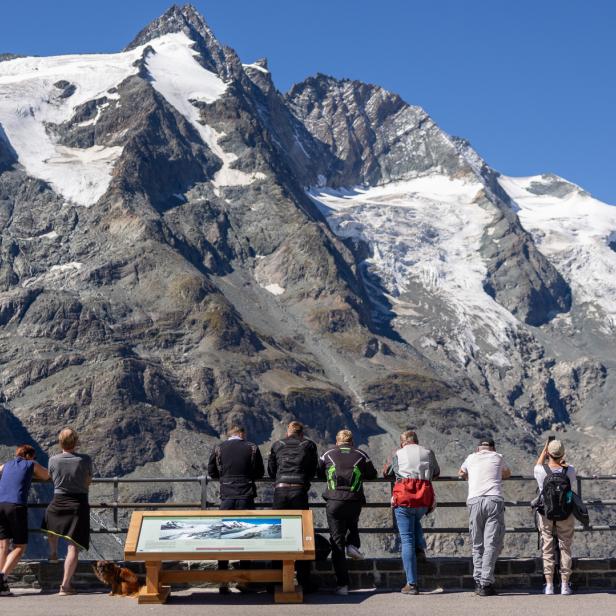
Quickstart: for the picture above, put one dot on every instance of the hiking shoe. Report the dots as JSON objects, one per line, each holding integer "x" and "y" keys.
{"x": 410, "y": 589}
{"x": 5, "y": 591}
{"x": 487, "y": 590}
{"x": 565, "y": 589}
{"x": 549, "y": 589}
{"x": 353, "y": 553}
{"x": 342, "y": 591}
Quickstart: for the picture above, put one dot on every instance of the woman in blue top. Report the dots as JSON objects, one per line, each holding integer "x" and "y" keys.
{"x": 14, "y": 487}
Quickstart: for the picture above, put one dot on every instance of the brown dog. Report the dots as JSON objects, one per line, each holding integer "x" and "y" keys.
{"x": 122, "y": 580}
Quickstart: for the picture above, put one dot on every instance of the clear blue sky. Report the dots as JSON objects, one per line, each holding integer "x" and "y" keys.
{"x": 531, "y": 83}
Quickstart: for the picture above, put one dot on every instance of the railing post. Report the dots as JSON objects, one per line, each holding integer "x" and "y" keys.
{"x": 116, "y": 498}
{"x": 394, "y": 522}
{"x": 203, "y": 482}
{"x": 579, "y": 486}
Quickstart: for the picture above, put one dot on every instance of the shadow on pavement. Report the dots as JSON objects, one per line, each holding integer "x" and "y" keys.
{"x": 263, "y": 598}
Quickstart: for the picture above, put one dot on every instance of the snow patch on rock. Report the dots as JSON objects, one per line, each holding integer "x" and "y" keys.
{"x": 425, "y": 231}
{"x": 573, "y": 230}
{"x": 29, "y": 99}
{"x": 274, "y": 289}
{"x": 178, "y": 76}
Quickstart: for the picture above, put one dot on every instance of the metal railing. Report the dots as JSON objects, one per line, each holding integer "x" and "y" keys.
{"x": 203, "y": 482}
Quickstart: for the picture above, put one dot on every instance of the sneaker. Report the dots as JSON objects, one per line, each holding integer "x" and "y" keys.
{"x": 549, "y": 589}
{"x": 342, "y": 591}
{"x": 224, "y": 590}
{"x": 477, "y": 587}
{"x": 487, "y": 590}
{"x": 410, "y": 589}
{"x": 5, "y": 591}
{"x": 565, "y": 589}
{"x": 354, "y": 553}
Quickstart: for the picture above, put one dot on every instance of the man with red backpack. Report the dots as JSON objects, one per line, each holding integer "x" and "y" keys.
{"x": 557, "y": 481}
{"x": 414, "y": 467}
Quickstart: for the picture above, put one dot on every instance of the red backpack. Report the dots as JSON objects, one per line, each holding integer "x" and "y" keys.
{"x": 413, "y": 493}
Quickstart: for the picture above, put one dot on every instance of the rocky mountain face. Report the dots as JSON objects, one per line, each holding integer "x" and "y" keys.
{"x": 182, "y": 246}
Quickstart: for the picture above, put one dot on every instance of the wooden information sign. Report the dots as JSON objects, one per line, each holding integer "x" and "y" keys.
{"x": 154, "y": 536}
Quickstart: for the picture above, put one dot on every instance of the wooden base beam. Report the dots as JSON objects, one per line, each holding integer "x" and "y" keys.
{"x": 243, "y": 576}
{"x": 294, "y": 596}
{"x": 146, "y": 597}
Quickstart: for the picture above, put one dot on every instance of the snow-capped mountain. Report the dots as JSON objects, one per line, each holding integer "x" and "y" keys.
{"x": 183, "y": 246}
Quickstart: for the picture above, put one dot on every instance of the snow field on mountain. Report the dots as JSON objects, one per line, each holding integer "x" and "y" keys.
{"x": 574, "y": 231}
{"x": 426, "y": 231}
{"x": 178, "y": 76}
{"x": 29, "y": 99}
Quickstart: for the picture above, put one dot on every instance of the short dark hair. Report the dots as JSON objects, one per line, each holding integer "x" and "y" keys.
{"x": 487, "y": 442}
{"x": 295, "y": 427}
{"x": 236, "y": 429}
{"x": 25, "y": 451}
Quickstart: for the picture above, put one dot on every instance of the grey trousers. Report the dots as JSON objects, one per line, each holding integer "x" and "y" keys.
{"x": 487, "y": 529}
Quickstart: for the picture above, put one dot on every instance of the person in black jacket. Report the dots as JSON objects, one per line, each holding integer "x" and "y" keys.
{"x": 344, "y": 467}
{"x": 292, "y": 464}
{"x": 237, "y": 463}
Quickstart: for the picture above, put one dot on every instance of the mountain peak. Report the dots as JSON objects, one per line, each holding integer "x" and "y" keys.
{"x": 213, "y": 56}
{"x": 175, "y": 19}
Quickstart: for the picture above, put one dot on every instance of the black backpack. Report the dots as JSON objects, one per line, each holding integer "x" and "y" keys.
{"x": 557, "y": 495}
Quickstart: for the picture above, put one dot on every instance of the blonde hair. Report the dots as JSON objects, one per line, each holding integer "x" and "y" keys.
{"x": 235, "y": 430}
{"x": 68, "y": 439}
{"x": 344, "y": 437}
{"x": 409, "y": 436}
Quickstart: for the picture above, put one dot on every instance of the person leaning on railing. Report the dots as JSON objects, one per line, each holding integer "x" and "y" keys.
{"x": 414, "y": 467}
{"x": 344, "y": 467}
{"x": 292, "y": 464}
{"x": 485, "y": 470}
{"x": 15, "y": 484}
{"x": 68, "y": 514}
{"x": 237, "y": 463}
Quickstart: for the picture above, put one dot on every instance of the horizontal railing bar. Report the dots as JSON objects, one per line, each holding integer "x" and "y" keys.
{"x": 315, "y": 505}
{"x": 390, "y": 530}
{"x": 316, "y": 480}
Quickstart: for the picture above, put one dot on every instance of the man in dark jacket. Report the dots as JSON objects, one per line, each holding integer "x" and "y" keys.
{"x": 292, "y": 464}
{"x": 344, "y": 467}
{"x": 237, "y": 463}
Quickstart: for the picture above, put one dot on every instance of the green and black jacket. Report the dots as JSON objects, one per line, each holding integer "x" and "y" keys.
{"x": 345, "y": 469}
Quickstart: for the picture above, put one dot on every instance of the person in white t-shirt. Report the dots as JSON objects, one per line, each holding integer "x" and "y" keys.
{"x": 485, "y": 470}
{"x": 553, "y": 455}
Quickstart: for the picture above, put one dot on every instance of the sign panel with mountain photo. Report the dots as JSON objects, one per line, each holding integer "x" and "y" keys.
{"x": 221, "y": 533}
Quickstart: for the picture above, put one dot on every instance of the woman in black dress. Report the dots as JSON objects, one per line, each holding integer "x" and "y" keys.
{"x": 68, "y": 515}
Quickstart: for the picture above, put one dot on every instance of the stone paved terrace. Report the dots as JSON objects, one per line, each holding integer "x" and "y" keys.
{"x": 200, "y": 602}
{"x": 380, "y": 574}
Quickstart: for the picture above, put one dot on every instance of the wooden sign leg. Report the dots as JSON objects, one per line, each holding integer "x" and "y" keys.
{"x": 153, "y": 592}
{"x": 288, "y": 592}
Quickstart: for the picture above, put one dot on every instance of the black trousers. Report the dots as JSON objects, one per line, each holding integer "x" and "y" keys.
{"x": 294, "y": 499}
{"x": 343, "y": 520}
{"x": 235, "y": 502}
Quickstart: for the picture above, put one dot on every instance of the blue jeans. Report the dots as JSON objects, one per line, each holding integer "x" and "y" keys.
{"x": 408, "y": 520}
